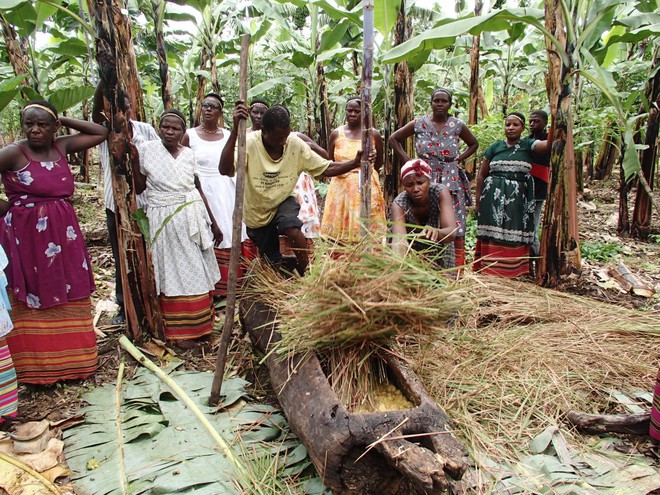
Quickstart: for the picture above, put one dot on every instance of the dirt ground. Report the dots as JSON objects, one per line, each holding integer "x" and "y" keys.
{"x": 597, "y": 209}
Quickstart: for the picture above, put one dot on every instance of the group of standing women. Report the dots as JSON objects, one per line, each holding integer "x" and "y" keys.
{"x": 189, "y": 206}
{"x": 505, "y": 198}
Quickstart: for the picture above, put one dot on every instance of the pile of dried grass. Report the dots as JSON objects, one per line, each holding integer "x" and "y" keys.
{"x": 527, "y": 355}
{"x": 353, "y": 304}
{"x": 513, "y": 359}
{"x": 366, "y": 294}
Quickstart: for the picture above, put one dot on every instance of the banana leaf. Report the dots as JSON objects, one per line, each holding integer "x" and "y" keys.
{"x": 556, "y": 467}
{"x": 162, "y": 448}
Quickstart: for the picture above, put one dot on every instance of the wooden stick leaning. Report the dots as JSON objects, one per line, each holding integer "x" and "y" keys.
{"x": 367, "y": 75}
{"x": 237, "y": 220}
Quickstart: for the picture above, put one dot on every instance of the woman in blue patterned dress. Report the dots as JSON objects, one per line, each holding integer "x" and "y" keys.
{"x": 505, "y": 202}
{"x": 437, "y": 142}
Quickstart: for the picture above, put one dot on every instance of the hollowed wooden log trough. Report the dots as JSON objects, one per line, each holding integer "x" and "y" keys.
{"x": 413, "y": 451}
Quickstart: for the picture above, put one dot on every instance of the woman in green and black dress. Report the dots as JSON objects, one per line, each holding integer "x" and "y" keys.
{"x": 505, "y": 202}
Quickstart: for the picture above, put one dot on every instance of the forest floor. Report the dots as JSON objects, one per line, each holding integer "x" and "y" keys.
{"x": 602, "y": 249}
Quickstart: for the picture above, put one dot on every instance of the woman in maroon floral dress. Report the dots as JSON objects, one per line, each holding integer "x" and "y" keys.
{"x": 49, "y": 274}
{"x": 437, "y": 142}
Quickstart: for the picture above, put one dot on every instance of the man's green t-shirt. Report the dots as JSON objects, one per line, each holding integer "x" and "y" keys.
{"x": 270, "y": 182}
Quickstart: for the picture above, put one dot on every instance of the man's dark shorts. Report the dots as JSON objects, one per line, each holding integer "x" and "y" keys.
{"x": 267, "y": 238}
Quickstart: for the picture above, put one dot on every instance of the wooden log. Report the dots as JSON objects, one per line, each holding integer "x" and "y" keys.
{"x": 411, "y": 451}
{"x": 630, "y": 282}
{"x": 610, "y": 423}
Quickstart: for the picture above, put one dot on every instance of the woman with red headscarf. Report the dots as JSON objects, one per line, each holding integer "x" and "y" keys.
{"x": 426, "y": 211}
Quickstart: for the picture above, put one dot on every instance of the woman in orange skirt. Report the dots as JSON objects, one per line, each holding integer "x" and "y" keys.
{"x": 341, "y": 213}
{"x": 49, "y": 274}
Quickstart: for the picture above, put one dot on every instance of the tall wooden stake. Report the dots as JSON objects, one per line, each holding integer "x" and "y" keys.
{"x": 367, "y": 75}
{"x": 235, "y": 256}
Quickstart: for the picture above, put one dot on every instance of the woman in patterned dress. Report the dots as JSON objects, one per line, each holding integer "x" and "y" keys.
{"x": 437, "y": 142}
{"x": 182, "y": 231}
{"x": 654, "y": 429}
{"x": 341, "y": 213}
{"x": 505, "y": 202}
{"x": 49, "y": 274}
{"x": 425, "y": 210}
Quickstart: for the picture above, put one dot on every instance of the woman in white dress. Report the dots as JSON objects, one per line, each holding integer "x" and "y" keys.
{"x": 208, "y": 140}
{"x": 182, "y": 231}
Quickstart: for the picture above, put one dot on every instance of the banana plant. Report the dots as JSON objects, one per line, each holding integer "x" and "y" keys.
{"x": 155, "y": 11}
{"x": 45, "y": 70}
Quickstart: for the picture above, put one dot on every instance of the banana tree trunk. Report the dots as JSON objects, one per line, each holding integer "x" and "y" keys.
{"x": 474, "y": 72}
{"x": 579, "y": 160}
{"x": 474, "y": 81}
{"x": 367, "y": 76}
{"x": 215, "y": 86}
{"x": 204, "y": 57}
{"x": 17, "y": 56}
{"x": 471, "y": 163}
{"x": 84, "y": 167}
{"x": 505, "y": 93}
{"x": 308, "y": 107}
{"x": 641, "y": 221}
{"x": 475, "y": 88}
{"x": 324, "y": 113}
{"x": 623, "y": 223}
{"x": 608, "y": 154}
{"x": 118, "y": 68}
{"x": 560, "y": 251}
{"x": 588, "y": 163}
{"x": 483, "y": 108}
{"x": 404, "y": 104}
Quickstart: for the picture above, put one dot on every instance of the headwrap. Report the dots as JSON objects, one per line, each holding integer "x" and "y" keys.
{"x": 168, "y": 113}
{"x": 443, "y": 90}
{"x": 217, "y": 97}
{"x": 513, "y": 115}
{"x": 41, "y": 107}
{"x": 418, "y": 166}
{"x": 259, "y": 103}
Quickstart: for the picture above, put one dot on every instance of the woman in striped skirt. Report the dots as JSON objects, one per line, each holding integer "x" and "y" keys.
{"x": 182, "y": 230}
{"x": 8, "y": 389}
{"x": 505, "y": 202}
{"x": 49, "y": 274}
{"x": 208, "y": 140}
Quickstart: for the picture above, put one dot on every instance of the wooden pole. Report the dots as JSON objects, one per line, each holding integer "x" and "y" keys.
{"x": 367, "y": 75}
{"x": 235, "y": 256}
